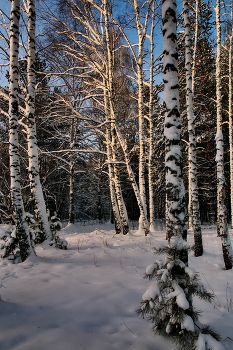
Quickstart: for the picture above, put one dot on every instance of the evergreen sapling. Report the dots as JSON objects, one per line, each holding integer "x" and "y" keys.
{"x": 56, "y": 225}
{"x": 168, "y": 301}
{"x": 9, "y": 245}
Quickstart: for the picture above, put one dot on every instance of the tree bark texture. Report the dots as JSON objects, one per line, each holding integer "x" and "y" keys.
{"x": 230, "y": 113}
{"x": 132, "y": 179}
{"x": 16, "y": 195}
{"x": 141, "y": 32}
{"x": 151, "y": 124}
{"x": 193, "y": 186}
{"x": 221, "y": 207}
{"x": 115, "y": 210}
{"x": 33, "y": 166}
{"x": 176, "y": 230}
{"x": 111, "y": 111}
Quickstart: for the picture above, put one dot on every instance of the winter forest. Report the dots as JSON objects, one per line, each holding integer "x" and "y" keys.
{"x": 116, "y": 148}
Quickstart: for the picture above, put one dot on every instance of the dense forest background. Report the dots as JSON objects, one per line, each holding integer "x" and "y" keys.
{"x": 71, "y": 55}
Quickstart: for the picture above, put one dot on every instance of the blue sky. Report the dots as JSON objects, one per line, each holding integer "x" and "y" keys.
{"x": 5, "y": 8}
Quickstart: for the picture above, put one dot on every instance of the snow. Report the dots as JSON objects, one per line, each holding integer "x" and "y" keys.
{"x": 152, "y": 292}
{"x": 150, "y": 269}
{"x": 86, "y": 297}
{"x": 191, "y": 272}
{"x": 206, "y": 339}
{"x": 164, "y": 273}
{"x": 188, "y": 323}
{"x": 181, "y": 300}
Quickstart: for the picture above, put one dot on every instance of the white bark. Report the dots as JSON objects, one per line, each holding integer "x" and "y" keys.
{"x": 71, "y": 176}
{"x": 194, "y": 57}
{"x": 230, "y": 112}
{"x": 195, "y": 46}
{"x": 193, "y": 186}
{"x": 172, "y": 130}
{"x": 115, "y": 210}
{"x": 118, "y": 193}
{"x": 221, "y": 207}
{"x": 33, "y": 166}
{"x": 144, "y": 221}
{"x": 141, "y": 32}
{"x": 71, "y": 196}
{"x": 110, "y": 94}
{"x": 151, "y": 124}
{"x": 16, "y": 195}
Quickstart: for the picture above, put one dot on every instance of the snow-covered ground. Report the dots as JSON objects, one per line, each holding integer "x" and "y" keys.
{"x": 86, "y": 297}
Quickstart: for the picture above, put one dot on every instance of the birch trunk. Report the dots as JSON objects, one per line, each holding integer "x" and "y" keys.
{"x": 141, "y": 32}
{"x": 114, "y": 202}
{"x": 144, "y": 221}
{"x": 33, "y": 167}
{"x": 193, "y": 186}
{"x": 176, "y": 231}
{"x": 71, "y": 196}
{"x": 110, "y": 94}
{"x": 195, "y": 46}
{"x": 115, "y": 210}
{"x": 151, "y": 124}
{"x": 71, "y": 175}
{"x": 190, "y": 211}
{"x": 118, "y": 190}
{"x": 230, "y": 112}
{"x": 16, "y": 195}
{"x": 221, "y": 207}
{"x": 160, "y": 298}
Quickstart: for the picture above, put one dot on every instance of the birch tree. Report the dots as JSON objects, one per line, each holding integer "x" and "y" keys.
{"x": 176, "y": 229}
{"x": 151, "y": 124}
{"x": 168, "y": 301}
{"x": 71, "y": 173}
{"x": 110, "y": 94}
{"x": 230, "y": 111}
{"x": 33, "y": 166}
{"x": 221, "y": 207}
{"x": 22, "y": 231}
{"x": 144, "y": 221}
{"x": 193, "y": 186}
{"x": 95, "y": 44}
{"x": 203, "y": 89}
{"x": 141, "y": 33}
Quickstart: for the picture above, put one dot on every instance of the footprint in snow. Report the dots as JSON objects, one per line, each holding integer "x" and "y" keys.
{"x": 14, "y": 274}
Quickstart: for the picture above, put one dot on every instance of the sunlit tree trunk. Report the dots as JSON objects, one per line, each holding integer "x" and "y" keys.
{"x": 176, "y": 230}
{"x": 16, "y": 195}
{"x": 118, "y": 190}
{"x": 221, "y": 207}
{"x": 71, "y": 176}
{"x": 145, "y": 225}
{"x": 33, "y": 167}
{"x": 194, "y": 57}
{"x": 195, "y": 46}
{"x": 71, "y": 195}
{"x": 110, "y": 93}
{"x": 151, "y": 124}
{"x": 115, "y": 210}
{"x": 161, "y": 301}
{"x": 141, "y": 127}
{"x": 193, "y": 186}
{"x": 230, "y": 111}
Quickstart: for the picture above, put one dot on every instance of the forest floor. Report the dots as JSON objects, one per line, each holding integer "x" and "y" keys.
{"x": 86, "y": 297}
